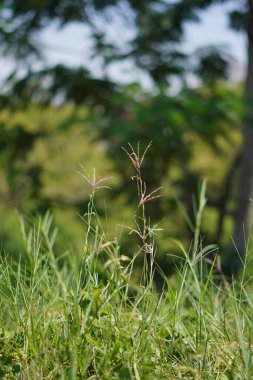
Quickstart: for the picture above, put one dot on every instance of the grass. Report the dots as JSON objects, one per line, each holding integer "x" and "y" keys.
{"x": 84, "y": 316}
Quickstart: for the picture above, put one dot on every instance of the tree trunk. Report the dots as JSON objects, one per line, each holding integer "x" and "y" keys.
{"x": 242, "y": 222}
{"x": 225, "y": 196}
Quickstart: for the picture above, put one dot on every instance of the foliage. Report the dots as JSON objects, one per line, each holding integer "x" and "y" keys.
{"x": 193, "y": 134}
{"x": 96, "y": 109}
{"x": 42, "y": 172}
{"x": 154, "y": 49}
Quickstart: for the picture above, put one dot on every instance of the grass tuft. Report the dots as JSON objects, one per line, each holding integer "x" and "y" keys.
{"x": 66, "y": 318}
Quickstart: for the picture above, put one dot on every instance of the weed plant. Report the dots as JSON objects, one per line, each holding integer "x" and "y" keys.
{"x": 66, "y": 318}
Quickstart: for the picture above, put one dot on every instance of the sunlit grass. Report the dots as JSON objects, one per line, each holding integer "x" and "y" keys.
{"x": 63, "y": 317}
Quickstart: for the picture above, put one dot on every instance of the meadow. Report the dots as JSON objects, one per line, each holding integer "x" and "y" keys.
{"x": 93, "y": 315}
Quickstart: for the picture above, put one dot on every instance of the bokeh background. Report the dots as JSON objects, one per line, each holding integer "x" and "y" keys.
{"x": 81, "y": 79}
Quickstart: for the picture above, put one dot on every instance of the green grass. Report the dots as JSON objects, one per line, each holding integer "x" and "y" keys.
{"x": 67, "y": 318}
{"x": 88, "y": 315}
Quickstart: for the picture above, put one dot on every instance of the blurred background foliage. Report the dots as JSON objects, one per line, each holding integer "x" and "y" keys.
{"x": 57, "y": 120}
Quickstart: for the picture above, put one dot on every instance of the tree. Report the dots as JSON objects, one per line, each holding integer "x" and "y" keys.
{"x": 154, "y": 46}
{"x": 244, "y": 21}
